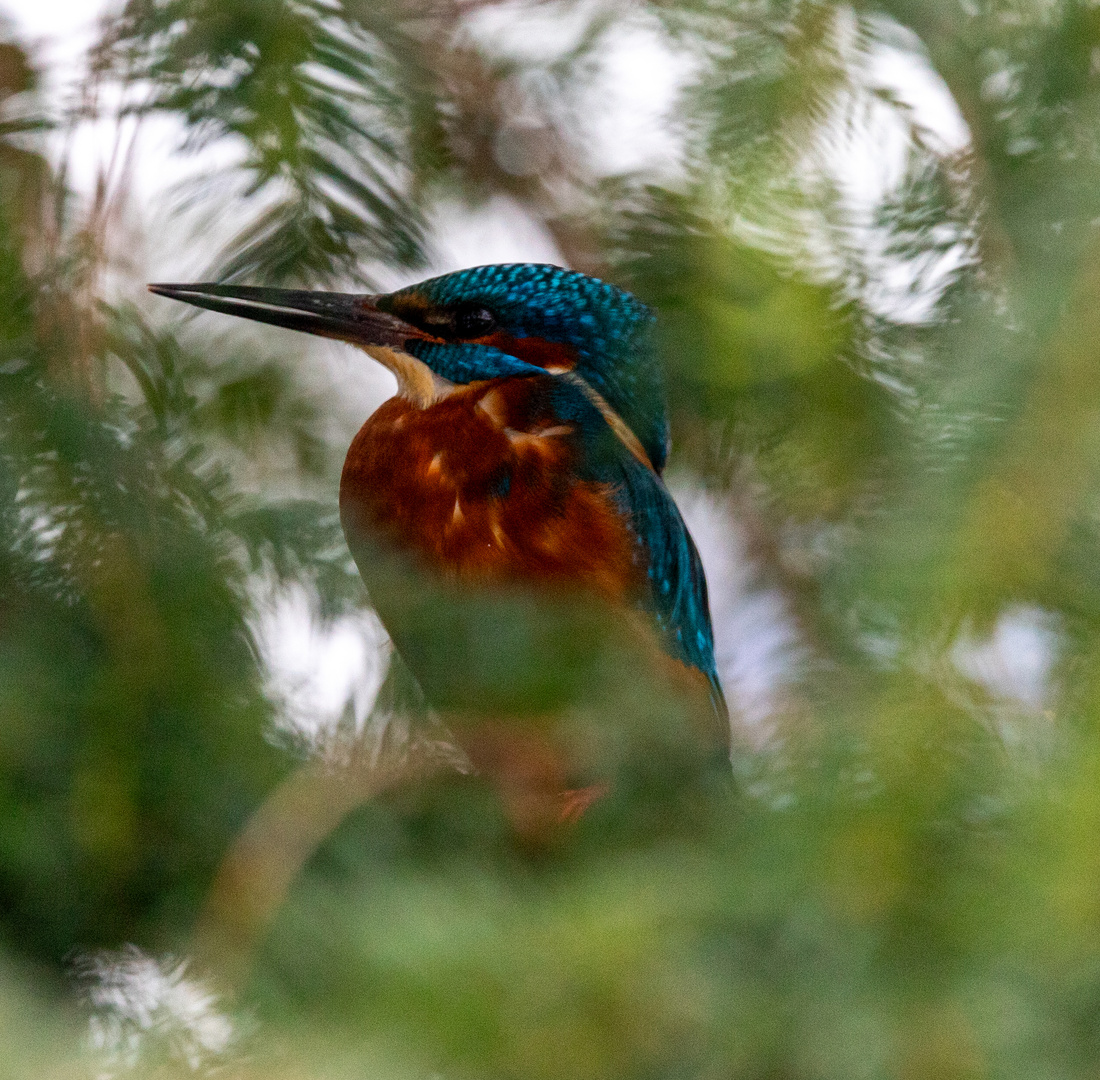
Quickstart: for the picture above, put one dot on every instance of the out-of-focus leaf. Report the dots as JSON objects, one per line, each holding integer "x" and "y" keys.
{"x": 765, "y": 353}
{"x": 312, "y": 100}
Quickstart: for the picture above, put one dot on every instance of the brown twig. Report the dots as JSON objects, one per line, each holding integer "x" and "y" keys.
{"x": 269, "y": 853}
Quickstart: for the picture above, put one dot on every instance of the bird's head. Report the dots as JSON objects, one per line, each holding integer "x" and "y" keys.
{"x": 489, "y": 322}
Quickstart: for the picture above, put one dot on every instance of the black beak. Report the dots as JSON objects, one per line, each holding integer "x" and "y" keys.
{"x": 344, "y": 316}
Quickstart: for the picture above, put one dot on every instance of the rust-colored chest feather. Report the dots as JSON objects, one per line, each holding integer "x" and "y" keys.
{"x": 481, "y": 485}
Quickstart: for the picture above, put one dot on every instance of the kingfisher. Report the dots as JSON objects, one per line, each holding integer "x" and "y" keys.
{"x": 506, "y": 507}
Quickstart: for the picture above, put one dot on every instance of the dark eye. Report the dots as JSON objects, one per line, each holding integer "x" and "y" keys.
{"x": 473, "y": 321}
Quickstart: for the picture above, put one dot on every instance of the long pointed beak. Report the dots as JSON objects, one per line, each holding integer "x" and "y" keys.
{"x": 350, "y": 317}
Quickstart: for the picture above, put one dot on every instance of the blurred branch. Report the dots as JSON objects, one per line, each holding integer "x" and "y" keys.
{"x": 271, "y": 851}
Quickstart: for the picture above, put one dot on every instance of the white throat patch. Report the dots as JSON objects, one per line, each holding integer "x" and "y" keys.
{"x": 416, "y": 382}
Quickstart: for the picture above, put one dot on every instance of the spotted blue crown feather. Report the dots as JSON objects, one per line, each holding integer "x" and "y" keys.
{"x": 610, "y": 331}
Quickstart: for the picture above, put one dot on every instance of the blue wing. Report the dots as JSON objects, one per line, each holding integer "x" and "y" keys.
{"x": 677, "y": 594}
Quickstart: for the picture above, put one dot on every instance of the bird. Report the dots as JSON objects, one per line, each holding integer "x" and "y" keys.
{"x": 506, "y": 507}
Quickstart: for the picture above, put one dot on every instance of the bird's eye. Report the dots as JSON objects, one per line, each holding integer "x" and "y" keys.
{"x": 473, "y": 321}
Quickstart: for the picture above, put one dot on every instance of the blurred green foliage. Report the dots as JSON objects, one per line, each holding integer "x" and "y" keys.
{"x": 884, "y": 373}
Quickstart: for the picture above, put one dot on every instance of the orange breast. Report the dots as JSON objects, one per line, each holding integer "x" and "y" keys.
{"x": 480, "y": 486}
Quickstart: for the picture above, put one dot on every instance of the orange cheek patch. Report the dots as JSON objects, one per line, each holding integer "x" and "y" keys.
{"x": 551, "y": 355}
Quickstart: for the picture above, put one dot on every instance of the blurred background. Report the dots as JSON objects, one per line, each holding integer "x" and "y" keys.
{"x": 871, "y": 232}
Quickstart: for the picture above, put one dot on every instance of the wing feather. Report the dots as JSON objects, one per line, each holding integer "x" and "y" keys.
{"x": 675, "y": 595}
{"x": 677, "y": 586}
